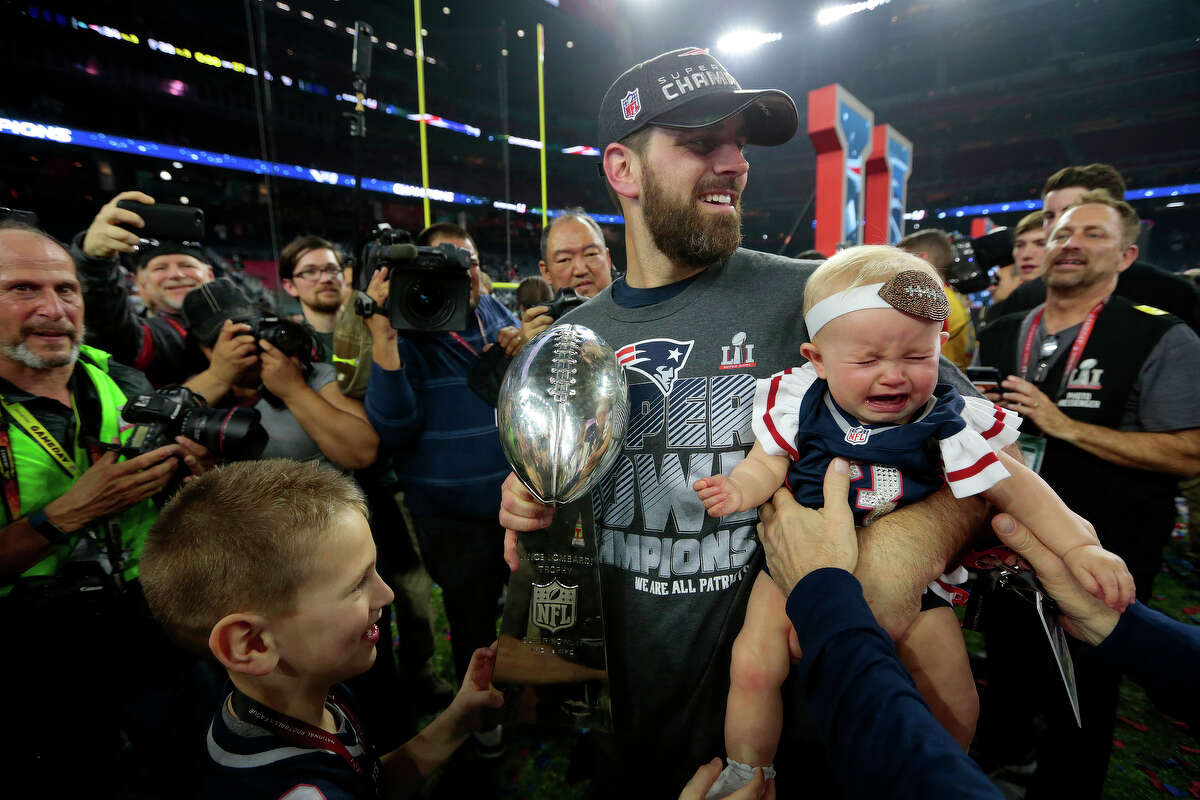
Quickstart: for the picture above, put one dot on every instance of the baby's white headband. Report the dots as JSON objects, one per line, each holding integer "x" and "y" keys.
{"x": 911, "y": 291}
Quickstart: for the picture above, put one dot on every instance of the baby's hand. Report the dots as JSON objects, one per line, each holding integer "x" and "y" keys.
{"x": 720, "y": 495}
{"x": 1103, "y": 574}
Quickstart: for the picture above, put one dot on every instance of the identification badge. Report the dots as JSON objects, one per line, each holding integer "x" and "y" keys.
{"x": 1033, "y": 448}
{"x": 1058, "y": 646}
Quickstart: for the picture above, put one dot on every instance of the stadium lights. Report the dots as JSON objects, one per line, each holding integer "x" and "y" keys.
{"x": 107, "y": 142}
{"x": 745, "y": 41}
{"x": 831, "y": 14}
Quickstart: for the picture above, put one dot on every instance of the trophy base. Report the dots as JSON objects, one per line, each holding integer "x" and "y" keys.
{"x": 551, "y": 653}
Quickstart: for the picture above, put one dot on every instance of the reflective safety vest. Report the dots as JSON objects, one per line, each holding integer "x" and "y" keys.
{"x": 41, "y": 479}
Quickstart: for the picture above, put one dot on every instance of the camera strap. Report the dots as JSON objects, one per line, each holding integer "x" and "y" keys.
{"x": 458, "y": 337}
{"x": 302, "y": 734}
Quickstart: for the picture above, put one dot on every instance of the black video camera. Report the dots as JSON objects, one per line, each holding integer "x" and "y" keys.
{"x": 429, "y": 287}
{"x": 233, "y": 434}
{"x": 564, "y": 301}
{"x": 975, "y": 258}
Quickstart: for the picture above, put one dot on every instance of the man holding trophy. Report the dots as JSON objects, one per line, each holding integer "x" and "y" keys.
{"x": 694, "y": 322}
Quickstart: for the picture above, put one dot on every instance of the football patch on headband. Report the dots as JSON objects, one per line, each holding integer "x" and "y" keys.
{"x": 916, "y": 293}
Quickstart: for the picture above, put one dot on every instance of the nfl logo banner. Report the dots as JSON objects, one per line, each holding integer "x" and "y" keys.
{"x": 631, "y": 105}
{"x": 857, "y": 435}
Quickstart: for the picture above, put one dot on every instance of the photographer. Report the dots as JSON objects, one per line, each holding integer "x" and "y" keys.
{"x": 446, "y": 447}
{"x": 311, "y": 271}
{"x": 76, "y": 521}
{"x": 574, "y": 257}
{"x": 303, "y": 411}
{"x": 157, "y": 343}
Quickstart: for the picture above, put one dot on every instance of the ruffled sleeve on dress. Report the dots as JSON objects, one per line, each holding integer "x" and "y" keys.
{"x": 969, "y": 456}
{"x": 777, "y": 401}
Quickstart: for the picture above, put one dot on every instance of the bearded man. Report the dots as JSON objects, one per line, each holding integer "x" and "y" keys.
{"x": 695, "y": 321}
{"x": 311, "y": 271}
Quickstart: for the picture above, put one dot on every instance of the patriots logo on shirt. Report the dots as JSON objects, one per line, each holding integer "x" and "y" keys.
{"x": 660, "y": 360}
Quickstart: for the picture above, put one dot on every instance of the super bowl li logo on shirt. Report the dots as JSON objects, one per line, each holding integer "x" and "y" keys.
{"x": 739, "y": 354}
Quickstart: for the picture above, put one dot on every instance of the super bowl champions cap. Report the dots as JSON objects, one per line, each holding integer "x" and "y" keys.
{"x": 688, "y": 88}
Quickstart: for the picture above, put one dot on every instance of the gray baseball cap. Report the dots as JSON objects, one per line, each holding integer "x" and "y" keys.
{"x": 688, "y": 88}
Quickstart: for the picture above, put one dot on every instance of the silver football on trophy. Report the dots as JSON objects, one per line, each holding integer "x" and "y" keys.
{"x": 563, "y": 408}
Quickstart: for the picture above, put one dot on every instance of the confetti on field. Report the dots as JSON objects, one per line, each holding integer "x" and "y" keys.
{"x": 1141, "y": 727}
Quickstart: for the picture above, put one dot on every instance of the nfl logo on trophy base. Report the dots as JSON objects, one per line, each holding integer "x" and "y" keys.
{"x": 554, "y": 606}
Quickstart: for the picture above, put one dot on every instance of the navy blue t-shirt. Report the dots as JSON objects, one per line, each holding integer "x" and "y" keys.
{"x": 249, "y": 762}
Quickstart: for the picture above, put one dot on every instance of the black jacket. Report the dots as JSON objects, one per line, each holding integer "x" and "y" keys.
{"x": 158, "y": 345}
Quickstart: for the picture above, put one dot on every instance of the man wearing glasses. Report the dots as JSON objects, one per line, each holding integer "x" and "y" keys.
{"x": 310, "y": 270}
{"x": 1107, "y": 387}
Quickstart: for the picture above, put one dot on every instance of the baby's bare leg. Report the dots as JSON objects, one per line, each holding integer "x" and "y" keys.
{"x": 936, "y": 656}
{"x": 754, "y": 714}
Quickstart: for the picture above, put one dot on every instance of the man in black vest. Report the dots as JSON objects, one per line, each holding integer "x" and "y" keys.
{"x": 1109, "y": 389}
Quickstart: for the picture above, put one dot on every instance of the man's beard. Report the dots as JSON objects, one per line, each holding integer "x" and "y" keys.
{"x": 166, "y": 303}
{"x": 683, "y": 233}
{"x": 21, "y": 353}
{"x": 326, "y": 306}
{"x": 1090, "y": 275}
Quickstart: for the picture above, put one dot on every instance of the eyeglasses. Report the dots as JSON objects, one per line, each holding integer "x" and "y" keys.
{"x": 1048, "y": 349}
{"x": 314, "y": 275}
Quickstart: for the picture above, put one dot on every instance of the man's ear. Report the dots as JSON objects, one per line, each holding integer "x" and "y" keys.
{"x": 242, "y": 644}
{"x": 810, "y": 351}
{"x": 542, "y": 268}
{"x": 943, "y": 337}
{"x": 623, "y": 170}
{"x": 289, "y": 287}
{"x": 1128, "y": 256}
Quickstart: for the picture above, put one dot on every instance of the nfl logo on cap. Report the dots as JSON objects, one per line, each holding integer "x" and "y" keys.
{"x": 631, "y": 105}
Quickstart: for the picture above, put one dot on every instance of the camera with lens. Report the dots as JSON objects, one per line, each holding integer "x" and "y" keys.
{"x": 564, "y": 301}
{"x": 285, "y": 335}
{"x": 232, "y": 434}
{"x": 975, "y": 258}
{"x": 429, "y": 288}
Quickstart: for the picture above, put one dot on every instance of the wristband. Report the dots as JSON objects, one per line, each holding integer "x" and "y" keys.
{"x": 42, "y": 524}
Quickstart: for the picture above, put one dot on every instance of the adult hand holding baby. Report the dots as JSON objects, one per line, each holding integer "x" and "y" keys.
{"x": 800, "y": 540}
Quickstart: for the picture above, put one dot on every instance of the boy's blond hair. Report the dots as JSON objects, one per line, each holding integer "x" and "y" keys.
{"x": 239, "y": 538}
{"x": 1032, "y": 221}
{"x": 859, "y": 266}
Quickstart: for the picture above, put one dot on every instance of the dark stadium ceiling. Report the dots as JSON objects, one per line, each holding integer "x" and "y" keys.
{"x": 995, "y": 95}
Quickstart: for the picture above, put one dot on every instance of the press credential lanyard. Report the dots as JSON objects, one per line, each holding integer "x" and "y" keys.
{"x": 302, "y": 734}
{"x": 1081, "y": 340}
{"x": 458, "y": 337}
{"x": 8, "y": 464}
{"x": 59, "y": 454}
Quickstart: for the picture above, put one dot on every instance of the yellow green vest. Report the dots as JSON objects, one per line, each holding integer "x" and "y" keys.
{"x": 41, "y": 480}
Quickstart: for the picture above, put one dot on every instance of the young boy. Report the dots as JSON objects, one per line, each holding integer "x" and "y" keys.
{"x": 270, "y": 566}
{"x": 869, "y": 394}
